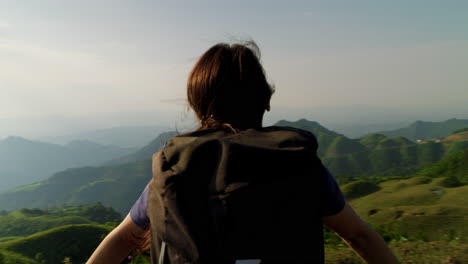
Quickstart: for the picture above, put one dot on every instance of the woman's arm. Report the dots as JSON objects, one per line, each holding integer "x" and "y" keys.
{"x": 363, "y": 239}
{"x": 119, "y": 243}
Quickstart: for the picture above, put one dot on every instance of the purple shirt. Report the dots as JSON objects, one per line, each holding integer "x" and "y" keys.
{"x": 332, "y": 198}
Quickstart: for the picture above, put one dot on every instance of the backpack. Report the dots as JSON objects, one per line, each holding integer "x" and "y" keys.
{"x": 220, "y": 197}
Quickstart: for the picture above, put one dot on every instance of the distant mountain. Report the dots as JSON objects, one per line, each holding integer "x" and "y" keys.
{"x": 24, "y": 161}
{"x": 428, "y": 130}
{"x": 358, "y": 130}
{"x": 126, "y": 136}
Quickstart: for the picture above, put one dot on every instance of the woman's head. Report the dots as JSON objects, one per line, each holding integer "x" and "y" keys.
{"x": 227, "y": 86}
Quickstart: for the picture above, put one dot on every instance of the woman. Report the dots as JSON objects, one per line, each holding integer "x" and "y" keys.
{"x": 229, "y": 94}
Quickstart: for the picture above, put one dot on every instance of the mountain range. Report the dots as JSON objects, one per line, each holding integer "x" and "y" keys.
{"x": 421, "y": 130}
{"x": 120, "y": 182}
{"x": 123, "y": 136}
{"x": 24, "y": 161}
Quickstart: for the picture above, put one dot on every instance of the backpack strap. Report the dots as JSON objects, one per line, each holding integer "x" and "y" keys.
{"x": 162, "y": 255}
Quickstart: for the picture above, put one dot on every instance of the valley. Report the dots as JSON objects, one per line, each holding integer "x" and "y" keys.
{"x": 411, "y": 192}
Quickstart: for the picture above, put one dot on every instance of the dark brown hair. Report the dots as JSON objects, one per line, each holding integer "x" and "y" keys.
{"x": 228, "y": 88}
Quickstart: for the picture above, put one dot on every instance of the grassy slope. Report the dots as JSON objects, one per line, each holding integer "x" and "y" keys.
{"x": 358, "y": 189}
{"x": 8, "y": 257}
{"x": 455, "y": 166}
{"x": 416, "y": 205}
{"x": 418, "y": 208}
{"x": 414, "y": 252}
{"x": 460, "y": 136}
{"x": 25, "y": 222}
{"x": 13, "y": 225}
{"x": 421, "y": 207}
{"x": 74, "y": 241}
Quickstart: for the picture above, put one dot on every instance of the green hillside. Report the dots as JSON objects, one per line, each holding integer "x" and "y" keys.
{"x": 394, "y": 142}
{"x": 414, "y": 252}
{"x": 455, "y": 167}
{"x": 420, "y": 207}
{"x": 392, "y": 161}
{"x": 358, "y": 189}
{"x": 422, "y": 217}
{"x": 428, "y": 130}
{"x": 26, "y": 222}
{"x": 371, "y": 141}
{"x": 74, "y": 241}
{"x": 378, "y": 141}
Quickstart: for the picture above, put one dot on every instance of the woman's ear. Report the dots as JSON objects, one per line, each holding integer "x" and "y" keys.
{"x": 268, "y": 107}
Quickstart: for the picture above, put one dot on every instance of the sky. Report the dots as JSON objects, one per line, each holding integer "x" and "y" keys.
{"x": 73, "y": 58}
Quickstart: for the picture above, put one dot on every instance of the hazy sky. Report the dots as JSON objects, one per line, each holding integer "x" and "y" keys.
{"x": 78, "y": 57}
